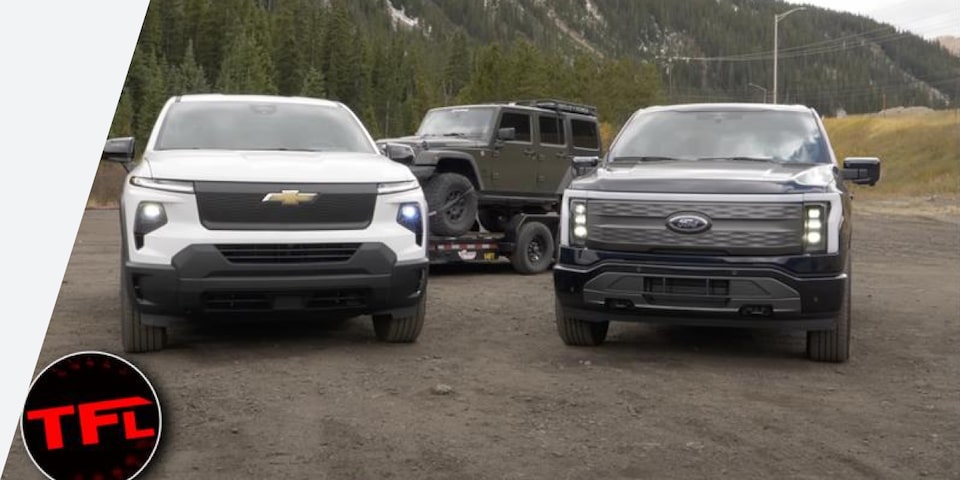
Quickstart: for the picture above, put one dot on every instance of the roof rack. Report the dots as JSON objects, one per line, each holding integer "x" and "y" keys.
{"x": 558, "y": 105}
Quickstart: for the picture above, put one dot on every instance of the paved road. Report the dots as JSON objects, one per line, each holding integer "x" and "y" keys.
{"x": 298, "y": 400}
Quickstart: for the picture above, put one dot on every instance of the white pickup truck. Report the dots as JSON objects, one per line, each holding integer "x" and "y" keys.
{"x": 252, "y": 204}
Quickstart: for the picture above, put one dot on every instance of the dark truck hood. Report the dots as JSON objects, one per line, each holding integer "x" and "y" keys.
{"x": 710, "y": 177}
{"x": 435, "y": 143}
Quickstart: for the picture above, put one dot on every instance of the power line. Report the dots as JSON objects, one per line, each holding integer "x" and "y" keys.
{"x": 816, "y": 48}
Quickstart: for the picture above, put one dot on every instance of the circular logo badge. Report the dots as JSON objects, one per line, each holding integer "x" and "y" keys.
{"x": 91, "y": 415}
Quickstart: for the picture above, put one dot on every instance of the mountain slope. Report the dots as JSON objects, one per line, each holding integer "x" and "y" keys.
{"x": 714, "y": 49}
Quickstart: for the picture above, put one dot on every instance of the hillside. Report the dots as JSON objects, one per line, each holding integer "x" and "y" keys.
{"x": 951, "y": 43}
{"x": 920, "y": 153}
{"x": 713, "y": 49}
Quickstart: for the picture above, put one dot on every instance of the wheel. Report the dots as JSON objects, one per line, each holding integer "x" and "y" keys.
{"x": 834, "y": 345}
{"x": 455, "y": 192}
{"x": 401, "y": 329}
{"x": 494, "y": 220}
{"x": 137, "y": 337}
{"x": 534, "y": 249}
{"x": 580, "y": 333}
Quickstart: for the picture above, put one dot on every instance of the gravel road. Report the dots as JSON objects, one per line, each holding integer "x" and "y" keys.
{"x": 489, "y": 391}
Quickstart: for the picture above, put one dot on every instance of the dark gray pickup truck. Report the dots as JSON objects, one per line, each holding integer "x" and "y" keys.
{"x": 718, "y": 215}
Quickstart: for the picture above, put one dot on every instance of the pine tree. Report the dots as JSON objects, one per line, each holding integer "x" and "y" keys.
{"x": 245, "y": 67}
{"x": 313, "y": 84}
{"x": 151, "y": 92}
{"x": 456, "y": 72}
{"x": 191, "y": 76}
{"x": 122, "y": 125}
{"x": 342, "y": 62}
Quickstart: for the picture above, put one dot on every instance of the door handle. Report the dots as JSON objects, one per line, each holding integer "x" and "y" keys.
{"x": 540, "y": 178}
{"x": 496, "y": 174}
{"x": 529, "y": 151}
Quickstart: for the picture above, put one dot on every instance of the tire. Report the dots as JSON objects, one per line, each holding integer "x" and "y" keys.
{"x": 579, "y": 333}
{"x": 834, "y": 345}
{"x": 534, "y": 250}
{"x": 135, "y": 336}
{"x": 401, "y": 329}
{"x": 458, "y": 218}
{"x": 495, "y": 221}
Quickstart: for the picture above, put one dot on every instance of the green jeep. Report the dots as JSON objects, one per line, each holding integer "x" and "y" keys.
{"x": 492, "y": 161}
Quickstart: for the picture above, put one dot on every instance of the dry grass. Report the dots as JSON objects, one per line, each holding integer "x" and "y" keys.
{"x": 919, "y": 154}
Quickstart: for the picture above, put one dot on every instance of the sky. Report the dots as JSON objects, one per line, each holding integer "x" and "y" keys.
{"x": 927, "y": 18}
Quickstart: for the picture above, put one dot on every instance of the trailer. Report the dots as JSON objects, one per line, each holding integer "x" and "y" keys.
{"x": 529, "y": 241}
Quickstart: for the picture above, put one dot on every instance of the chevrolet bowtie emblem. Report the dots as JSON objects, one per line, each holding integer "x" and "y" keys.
{"x": 289, "y": 197}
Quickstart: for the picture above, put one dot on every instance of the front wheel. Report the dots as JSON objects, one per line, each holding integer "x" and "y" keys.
{"x": 137, "y": 337}
{"x": 580, "y": 333}
{"x": 834, "y": 345}
{"x": 391, "y": 329}
{"x": 534, "y": 249}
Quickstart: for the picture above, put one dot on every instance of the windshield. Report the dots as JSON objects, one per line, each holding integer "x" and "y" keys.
{"x": 232, "y": 125}
{"x": 738, "y": 135}
{"x": 457, "y": 122}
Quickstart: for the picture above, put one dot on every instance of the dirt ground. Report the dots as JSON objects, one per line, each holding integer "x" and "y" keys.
{"x": 299, "y": 400}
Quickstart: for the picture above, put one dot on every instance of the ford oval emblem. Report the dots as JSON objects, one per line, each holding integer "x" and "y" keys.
{"x": 688, "y": 223}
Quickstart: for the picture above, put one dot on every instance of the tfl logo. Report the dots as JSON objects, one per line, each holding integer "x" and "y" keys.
{"x": 91, "y": 415}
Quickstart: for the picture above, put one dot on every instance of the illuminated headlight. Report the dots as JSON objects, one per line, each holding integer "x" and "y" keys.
{"x": 150, "y": 216}
{"x": 160, "y": 184}
{"x": 397, "y": 187}
{"x": 578, "y": 222}
{"x": 814, "y": 230}
{"x": 411, "y": 217}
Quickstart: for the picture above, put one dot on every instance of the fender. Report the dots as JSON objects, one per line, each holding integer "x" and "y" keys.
{"x": 425, "y": 165}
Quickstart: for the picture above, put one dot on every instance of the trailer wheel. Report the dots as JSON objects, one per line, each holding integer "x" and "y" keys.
{"x": 534, "y": 249}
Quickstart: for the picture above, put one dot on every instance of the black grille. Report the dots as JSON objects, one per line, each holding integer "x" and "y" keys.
{"x": 736, "y": 228}
{"x": 241, "y": 206}
{"x": 267, "y": 301}
{"x": 289, "y": 253}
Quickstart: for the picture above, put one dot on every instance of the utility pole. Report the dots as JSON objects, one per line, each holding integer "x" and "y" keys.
{"x": 776, "y": 44}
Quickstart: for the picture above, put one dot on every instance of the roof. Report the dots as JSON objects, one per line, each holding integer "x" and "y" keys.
{"x": 559, "y": 106}
{"x": 728, "y": 107}
{"x": 219, "y": 97}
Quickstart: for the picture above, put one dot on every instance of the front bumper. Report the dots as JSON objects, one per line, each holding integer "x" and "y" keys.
{"x": 702, "y": 291}
{"x": 201, "y": 280}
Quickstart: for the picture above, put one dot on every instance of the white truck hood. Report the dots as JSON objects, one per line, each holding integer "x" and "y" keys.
{"x": 275, "y": 167}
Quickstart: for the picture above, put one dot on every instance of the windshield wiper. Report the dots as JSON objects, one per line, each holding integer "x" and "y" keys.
{"x": 650, "y": 159}
{"x": 740, "y": 159}
{"x": 454, "y": 134}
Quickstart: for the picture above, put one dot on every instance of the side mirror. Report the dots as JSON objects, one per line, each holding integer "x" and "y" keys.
{"x": 118, "y": 150}
{"x": 583, "y": 164}
{"x": 862, "y": 170}
{"x": 399, "y": 152}
{"x": 507, "y": 134}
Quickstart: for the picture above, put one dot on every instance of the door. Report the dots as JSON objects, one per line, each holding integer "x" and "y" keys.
{"x": 554, "y": 157}
{"x": 515, "y": 163}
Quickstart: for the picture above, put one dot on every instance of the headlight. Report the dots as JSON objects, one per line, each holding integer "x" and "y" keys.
{"x": 814, "y": 228}
{"x": 411, "y": 217}
{"x": 150, "y": 216}
{"x": 578, "y": 222}
{"x": 397, "y": 187}
{"x": 160, "y": 184}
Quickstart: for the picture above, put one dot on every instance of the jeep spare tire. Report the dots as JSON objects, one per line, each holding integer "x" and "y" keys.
{"x": 452, "y": 202}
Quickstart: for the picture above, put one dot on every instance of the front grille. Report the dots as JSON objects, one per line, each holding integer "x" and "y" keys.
{"x": 737, "y": 228}
{"x": 241, "y": 206}
{"x": 288, "y": 253}
{"x": 267, "y": 301}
